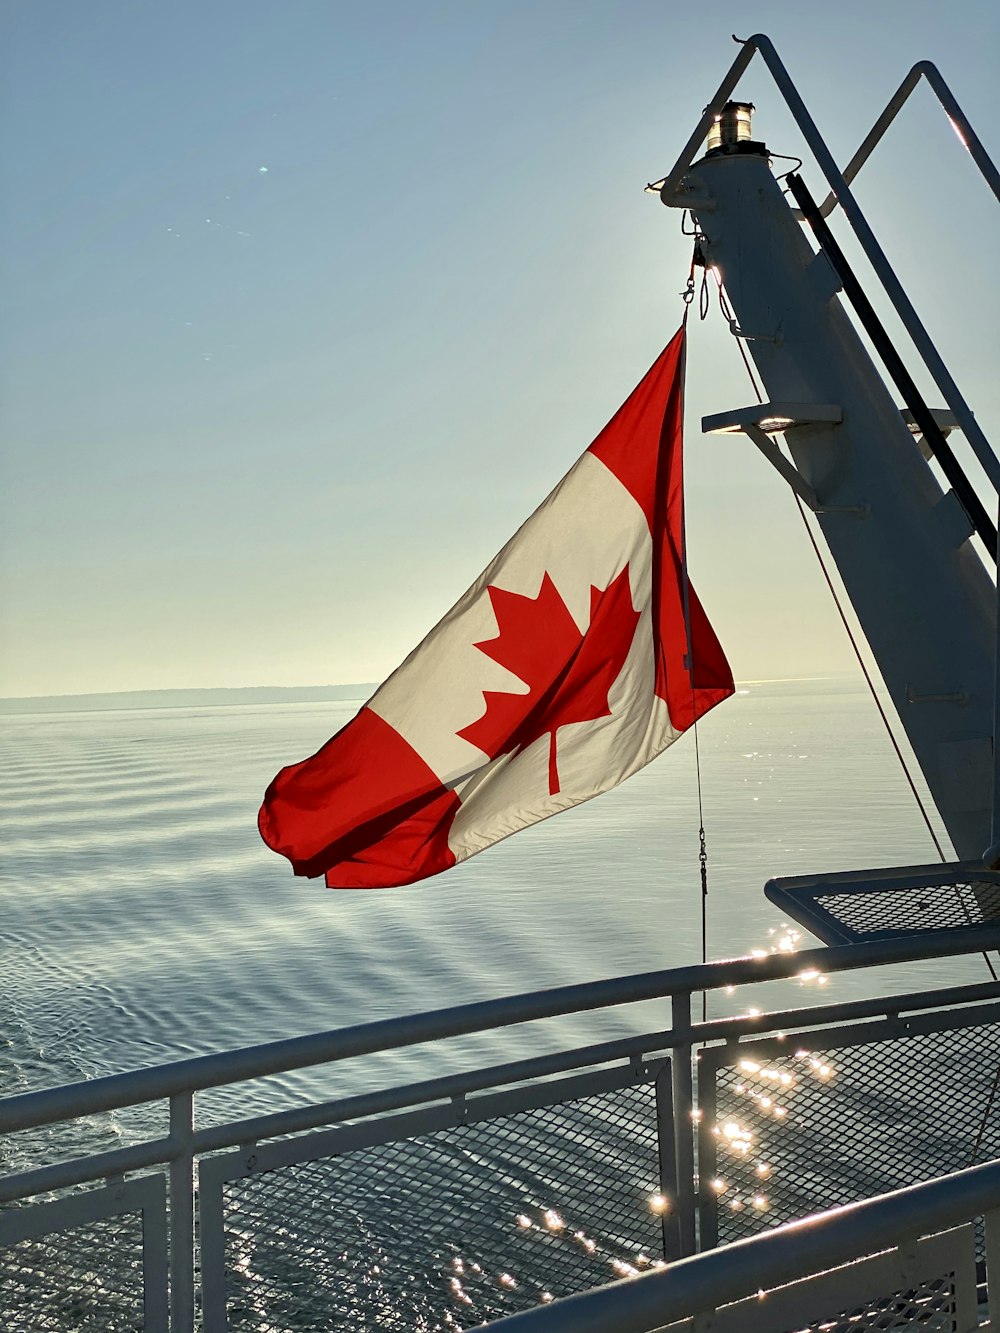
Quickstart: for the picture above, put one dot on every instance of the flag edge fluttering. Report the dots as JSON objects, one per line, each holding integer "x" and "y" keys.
{"x": 387, "y": 813}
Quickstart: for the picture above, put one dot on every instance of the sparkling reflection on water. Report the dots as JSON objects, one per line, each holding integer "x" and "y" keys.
{"x": 143, "y": 920}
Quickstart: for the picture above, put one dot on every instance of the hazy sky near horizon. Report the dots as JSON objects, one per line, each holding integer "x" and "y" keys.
{"x": 307, "y": 305}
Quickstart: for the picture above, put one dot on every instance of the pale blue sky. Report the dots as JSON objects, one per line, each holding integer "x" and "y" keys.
{"x": 263, "y": 426}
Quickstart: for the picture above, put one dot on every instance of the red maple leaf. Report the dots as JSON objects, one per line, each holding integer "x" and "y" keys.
{"x": 569, "y": 673}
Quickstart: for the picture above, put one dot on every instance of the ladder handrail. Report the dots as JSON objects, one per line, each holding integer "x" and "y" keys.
{"x": 923, "y": 69}
{"x": 673, "y": 195}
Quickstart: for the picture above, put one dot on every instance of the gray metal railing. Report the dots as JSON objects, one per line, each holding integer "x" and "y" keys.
{"x": 626, "y": 1105}
{"x": 754, "y": 1268}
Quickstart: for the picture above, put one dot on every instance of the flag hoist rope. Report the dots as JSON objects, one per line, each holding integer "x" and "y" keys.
{"x": 688, "y": 296}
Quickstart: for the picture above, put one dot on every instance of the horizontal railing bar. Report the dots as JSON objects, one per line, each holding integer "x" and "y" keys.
{"x": 415, "y": 1123}
{"x": 774, "y": 1047}
{"x": 82, "y": 1170}
{"x": 729, "y": 1029}
{"x": 144, "y": 1085}
{"x": 147, "y": 1194}
{"x": 227, "y": 1167}
{"x": 233, "y": 1133}
{"x": 914, "y": 1025}
{"x": 297, "y": 1119}
{"x": 236, "y": 1132}
{"x": 719, "y": 1277}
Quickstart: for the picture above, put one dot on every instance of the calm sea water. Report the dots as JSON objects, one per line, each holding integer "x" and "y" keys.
{"x": 142, "y": 920}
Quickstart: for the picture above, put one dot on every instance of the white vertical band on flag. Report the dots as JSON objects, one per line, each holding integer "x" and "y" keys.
{"x": 582, "y": 535}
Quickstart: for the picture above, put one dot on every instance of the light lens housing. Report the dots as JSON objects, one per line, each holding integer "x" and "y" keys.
{"x": 731, "y": 126}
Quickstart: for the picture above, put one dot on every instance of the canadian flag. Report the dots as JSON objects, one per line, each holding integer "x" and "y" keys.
{"x": 577, "y": 656}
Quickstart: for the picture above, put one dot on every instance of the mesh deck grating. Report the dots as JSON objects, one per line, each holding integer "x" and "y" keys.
{"x": 943, "y": 906}
{"x": 849, "y": 907}
{"x": 85, "y": 1280}
{"x": 450, "y": 1229}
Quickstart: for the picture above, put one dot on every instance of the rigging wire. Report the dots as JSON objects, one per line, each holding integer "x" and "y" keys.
{"x": 786, "y": 158}
{"x": 702, "y": 866}
{"x": 727, "y": 314}
{"x": 986, "y": 1114}
{"x": 697, "y": 260}
{"x": 871, "y": 686}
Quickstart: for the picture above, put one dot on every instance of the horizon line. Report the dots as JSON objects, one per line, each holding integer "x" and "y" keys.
{"x": 346, "y": 685}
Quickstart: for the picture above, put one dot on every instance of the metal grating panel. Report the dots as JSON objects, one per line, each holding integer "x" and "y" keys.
{"x": 932, "y": 1306}
{"x": 446, "y": 1230}
{"x": 85, "y": 1280}
{"x": 927, "y": 1284}
{"x": 864, "y": 905}
{"x": 800, "y": 1132}
{"x": 944, "y": 906}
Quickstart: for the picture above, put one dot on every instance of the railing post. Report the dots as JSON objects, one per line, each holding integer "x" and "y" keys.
{"x": 683, "y": 1121}
{"x": 991, "y": 1228}
{"x": 182, "y": 1214}
{"x": 708, "y": 1199}
{"x": 666, "y": 1149}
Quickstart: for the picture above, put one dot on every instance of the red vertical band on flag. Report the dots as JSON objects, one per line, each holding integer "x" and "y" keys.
{"x": 643, "y": 446}
{"x": 365, "y": 789}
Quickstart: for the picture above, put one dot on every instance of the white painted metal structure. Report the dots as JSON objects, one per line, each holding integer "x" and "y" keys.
{"x": 917, "y": 584}
{"x": 901, "y": 543}
{"x": 678, "y": 192}
{"x": 928, "y": 608}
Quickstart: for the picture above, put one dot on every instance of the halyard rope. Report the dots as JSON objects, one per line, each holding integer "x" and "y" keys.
{"x": 687, "y": 296}
{"x": 727, "y": 315}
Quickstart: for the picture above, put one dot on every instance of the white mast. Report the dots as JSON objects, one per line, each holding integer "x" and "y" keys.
{"x": 901, "y": 542}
